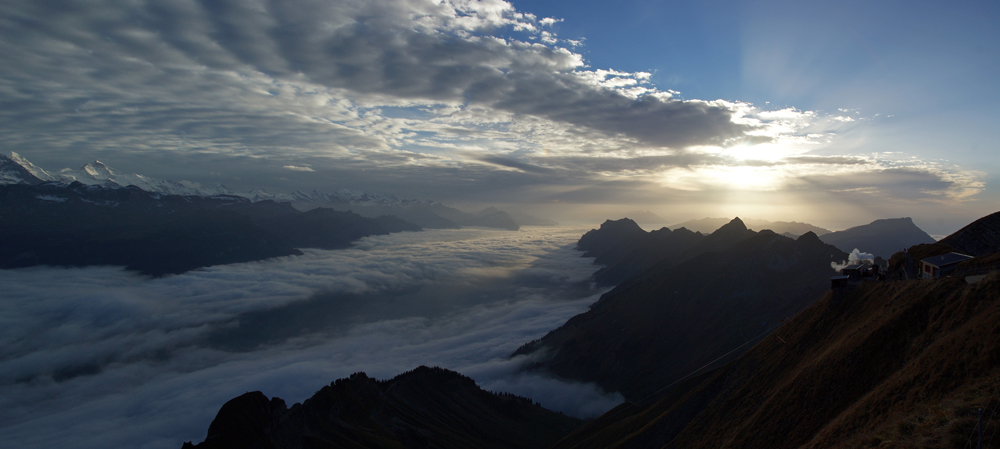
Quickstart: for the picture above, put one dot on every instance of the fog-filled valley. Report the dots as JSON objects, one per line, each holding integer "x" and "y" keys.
{"x": 103, "y": 357}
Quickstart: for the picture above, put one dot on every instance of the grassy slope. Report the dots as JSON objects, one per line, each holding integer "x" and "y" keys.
{"x": 893, "y": 364}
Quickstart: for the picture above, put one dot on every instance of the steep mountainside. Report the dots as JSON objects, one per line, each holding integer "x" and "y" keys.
{"x": 978, "y": 238}
{"x": 882, "y": 238}
{"x": 16, "y": 170}
{"x": 888, "y": 364}
{"x": 423, "y": 408}
{"x": 154, "y": 234}
{"x": 674, "y": 318}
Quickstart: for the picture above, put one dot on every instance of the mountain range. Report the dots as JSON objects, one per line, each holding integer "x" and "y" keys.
{"x": 724, "y": 289}
{"x": 793, "y": 228}
{"x": 16, "y": 169}
{"x": 881, "y": 238}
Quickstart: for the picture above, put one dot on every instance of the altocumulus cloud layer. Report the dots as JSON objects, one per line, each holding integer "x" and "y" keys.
{"x": 444, "y": 99}
{"x": 99, "y": 357}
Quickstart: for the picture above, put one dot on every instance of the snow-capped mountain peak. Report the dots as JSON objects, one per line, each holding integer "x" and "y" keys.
{"x": 29, "y": 167}
{"x": 98, "y": 170}
{"x": 18, "y": 170}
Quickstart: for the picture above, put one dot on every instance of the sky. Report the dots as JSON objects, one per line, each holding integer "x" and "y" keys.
{"x": 98, "y": 357}
{"x": 835, "y": 114}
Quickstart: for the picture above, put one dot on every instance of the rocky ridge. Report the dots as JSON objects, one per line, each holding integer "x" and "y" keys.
{"x": 423, "y": 408}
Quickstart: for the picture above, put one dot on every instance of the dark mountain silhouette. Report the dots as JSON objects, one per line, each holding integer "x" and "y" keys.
{"x": 660, "y": 246}
{"x": 156, "y": 234}
{"x": 887, "y": 364}
{"x": 881, "y": 238}
{"x": 675, "y": 317}
{"x": 423, "y": 408}
{"x": 613, "y": 242}
{"x": 628, "y": 251}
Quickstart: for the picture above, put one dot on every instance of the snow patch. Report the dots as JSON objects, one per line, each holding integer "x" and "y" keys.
{"x": 57, "y": 199}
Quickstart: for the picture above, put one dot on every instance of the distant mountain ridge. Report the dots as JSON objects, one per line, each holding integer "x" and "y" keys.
{"x": 156, "y": 234}
{"x": 423, "y": 408}
{"x": 882, "y": 238}
{"x": 793, "y": 228}
{"x": 15, "y": 169}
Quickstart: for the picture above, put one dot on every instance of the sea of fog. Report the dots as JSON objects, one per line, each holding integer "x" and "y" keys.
{"x": 100, "y": 357}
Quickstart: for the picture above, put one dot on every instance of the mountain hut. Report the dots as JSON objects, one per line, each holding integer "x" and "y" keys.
{"x": 937, "y": 266}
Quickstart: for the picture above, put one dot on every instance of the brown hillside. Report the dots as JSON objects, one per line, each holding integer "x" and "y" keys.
{"x": 892, "y": 364}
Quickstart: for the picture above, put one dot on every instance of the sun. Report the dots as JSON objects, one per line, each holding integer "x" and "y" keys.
{"x": 708, "y": 178}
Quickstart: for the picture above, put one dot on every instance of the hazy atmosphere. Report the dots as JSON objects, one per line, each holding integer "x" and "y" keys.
{"x": 833, "y": 114}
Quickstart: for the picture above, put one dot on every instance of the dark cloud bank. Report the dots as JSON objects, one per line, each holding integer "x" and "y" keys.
{"x": 100, "y": 357}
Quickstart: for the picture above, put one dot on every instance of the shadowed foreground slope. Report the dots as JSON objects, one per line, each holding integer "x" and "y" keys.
{"x": 891, "y": 364}
{"x": 423, "y": 408}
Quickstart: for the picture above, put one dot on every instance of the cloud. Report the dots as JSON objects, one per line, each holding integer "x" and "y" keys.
{"x": 511, "y": 163}
{"x": 309, "y": 76}
{"x": 296, "y": 168}
{"x": 451, "y": 101}
{"x": 102, "y": 356}
{"x": 921, "y": 183}
{"x": 827, "y": 160}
